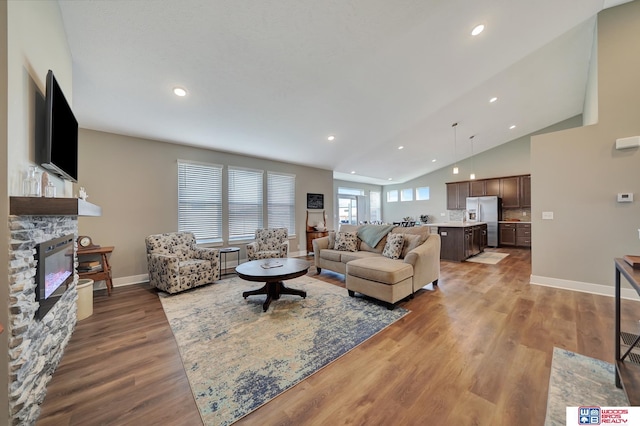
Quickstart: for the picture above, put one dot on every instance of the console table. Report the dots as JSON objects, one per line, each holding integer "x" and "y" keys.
{"x": 627, "y": 372}
{"x": 105, "y": 274}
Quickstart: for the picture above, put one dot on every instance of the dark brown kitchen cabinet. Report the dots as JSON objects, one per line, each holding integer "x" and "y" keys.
{"x": 523, "y": 234}
{"x": 515, "y": 234}
{"x": 461, "y": 242}
{"x": 484, "y": 187}
{"x": 457, "y": 193}
{"x": 510, "y": 192}
{"x": 507, "y": 234}
{"x": 525, "y": 191}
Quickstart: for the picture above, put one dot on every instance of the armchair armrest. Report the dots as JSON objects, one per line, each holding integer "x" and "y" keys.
{"x": 252, "y": 248}
{"x": 168, "y": 261}
{"x": 206, "y": 253}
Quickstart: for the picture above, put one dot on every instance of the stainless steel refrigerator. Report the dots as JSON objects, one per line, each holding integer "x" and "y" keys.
{"x": 489, "y": 210}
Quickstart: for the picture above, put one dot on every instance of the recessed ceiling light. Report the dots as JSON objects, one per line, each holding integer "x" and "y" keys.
{"x": 331, "y": 137}
{"x": 179, "y": 91}
{"x": 353, "y": 172}
{"x": 433, "y": 161}
{"x": 477, "y": 30}
{"x": 390, "y": 179}
{"x": 400, "y": 147}
{"x": 513, "y": 126}
{"x": 492, "y": 100}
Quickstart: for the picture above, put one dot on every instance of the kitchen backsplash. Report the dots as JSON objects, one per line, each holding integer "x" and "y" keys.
{"x": 522, "y": 214}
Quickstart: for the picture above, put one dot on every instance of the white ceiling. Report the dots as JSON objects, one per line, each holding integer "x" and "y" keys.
{"x": 274, "y": 78}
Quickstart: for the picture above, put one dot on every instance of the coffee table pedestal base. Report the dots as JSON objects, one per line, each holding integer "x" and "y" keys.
{"x": 273, "y": 290}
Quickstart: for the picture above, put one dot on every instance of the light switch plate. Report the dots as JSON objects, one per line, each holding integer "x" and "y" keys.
{"x": 547, "y": 215}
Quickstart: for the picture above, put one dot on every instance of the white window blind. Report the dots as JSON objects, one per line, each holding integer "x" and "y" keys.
{"x": 200, "y": 200}
{"x": 281, "y": 201}
{"x": 245, "y": 203}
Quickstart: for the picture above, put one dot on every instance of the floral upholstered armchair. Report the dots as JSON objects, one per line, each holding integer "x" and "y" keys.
{"x": 175, "y": 262}
{"x": 269, "y": 244}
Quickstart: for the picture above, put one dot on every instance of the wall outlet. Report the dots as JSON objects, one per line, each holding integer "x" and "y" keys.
{"x": 443, "y": 214}
{"x": 547, "y": 215}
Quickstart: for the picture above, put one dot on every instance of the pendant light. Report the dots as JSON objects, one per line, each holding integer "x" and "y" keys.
{"x": 472, "y": 176}
{"x": 455, "y": 150}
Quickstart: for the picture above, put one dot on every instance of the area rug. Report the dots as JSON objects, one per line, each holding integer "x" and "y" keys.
{"x": 238, "y": 357}
{"x": 577, "y": 380}
{"x": 488, "y": 257}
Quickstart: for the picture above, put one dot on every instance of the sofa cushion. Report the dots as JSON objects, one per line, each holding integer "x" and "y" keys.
{"x": 380, "y": 269}
{"x": 349, "y": 256}
{"x": 393, "y": 247}
{"x": 346, "y": 241}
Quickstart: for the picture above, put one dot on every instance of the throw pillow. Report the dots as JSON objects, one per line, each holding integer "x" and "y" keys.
{"x": 393, "y": 247}
{"x": 346, "y": 241}
{"x": 411, "y": 241}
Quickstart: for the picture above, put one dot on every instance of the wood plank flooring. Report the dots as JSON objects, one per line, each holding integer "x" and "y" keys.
{"x": 476, "y": 350}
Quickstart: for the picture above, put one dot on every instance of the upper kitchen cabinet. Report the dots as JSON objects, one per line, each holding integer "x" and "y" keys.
{"x": 457, "y": 193}
{"x": 525, "y": 191}
{"x": 510, "y": 192}
{"x": 484, "y": 187}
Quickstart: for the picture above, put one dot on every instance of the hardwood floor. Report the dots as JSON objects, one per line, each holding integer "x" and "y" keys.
{"x": 476, "y": 350}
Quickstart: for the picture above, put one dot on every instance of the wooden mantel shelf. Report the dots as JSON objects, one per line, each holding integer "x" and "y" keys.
{"x": 43, "y": 206}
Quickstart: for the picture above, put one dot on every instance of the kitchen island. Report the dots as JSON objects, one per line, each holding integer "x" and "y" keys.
{"x": 460, "y": 240}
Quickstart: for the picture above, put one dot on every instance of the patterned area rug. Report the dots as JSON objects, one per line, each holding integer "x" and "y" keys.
{"x": 578, "y": 380}
{"x": 488, "y": 257}
{"x": 237, "y": 357}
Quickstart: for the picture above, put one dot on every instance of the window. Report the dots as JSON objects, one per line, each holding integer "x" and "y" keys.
{"x": 245, "y": 203}
{"x": 375, "y": 210}
{"x": 200, "y": 200}
{"x": 350, "y": 191}
{"x": 281, "y": 201}
{"x": 422, "y": 193}
{"x": 392, "y": 196}
{"x": 406, "y": 194}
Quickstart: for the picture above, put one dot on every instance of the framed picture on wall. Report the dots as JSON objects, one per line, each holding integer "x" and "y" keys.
{"x": 315, "y": 201}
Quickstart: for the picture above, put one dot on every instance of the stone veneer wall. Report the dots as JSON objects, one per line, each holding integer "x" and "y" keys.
{"x": 35, "y": 347}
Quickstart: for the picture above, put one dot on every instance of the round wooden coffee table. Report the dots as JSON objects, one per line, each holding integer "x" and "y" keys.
{"x": 273, "y": 277}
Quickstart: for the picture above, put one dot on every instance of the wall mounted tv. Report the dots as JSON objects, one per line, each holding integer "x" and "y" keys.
{"x": 57, "y": 150}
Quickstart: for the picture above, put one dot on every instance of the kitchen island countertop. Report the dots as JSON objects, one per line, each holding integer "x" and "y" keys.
{"x": 455, "y": 224}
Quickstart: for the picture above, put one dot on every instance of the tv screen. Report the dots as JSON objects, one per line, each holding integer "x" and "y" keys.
{"x": 58, "y": 152}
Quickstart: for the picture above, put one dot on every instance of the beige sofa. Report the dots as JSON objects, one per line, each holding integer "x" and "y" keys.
{"x": 368, "y": 272}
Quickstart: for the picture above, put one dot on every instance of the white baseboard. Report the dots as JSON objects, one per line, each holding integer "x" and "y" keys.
{"x": 122, "y": 281}
{"x": 602, "y": 290}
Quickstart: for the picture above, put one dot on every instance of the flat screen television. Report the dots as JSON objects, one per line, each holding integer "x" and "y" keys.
{"x": 58, "y": 149}
{"x": 54, "y": 271}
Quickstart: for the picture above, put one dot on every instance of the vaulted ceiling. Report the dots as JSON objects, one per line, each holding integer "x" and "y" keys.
{"x": 275, "y": 78}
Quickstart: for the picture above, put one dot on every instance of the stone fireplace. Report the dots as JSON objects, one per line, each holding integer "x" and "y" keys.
{"x": 36, "y": 346}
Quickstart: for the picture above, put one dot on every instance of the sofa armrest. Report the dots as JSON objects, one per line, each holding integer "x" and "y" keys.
{"x": 425, "y": 260}
{"x": 319, "y": 244}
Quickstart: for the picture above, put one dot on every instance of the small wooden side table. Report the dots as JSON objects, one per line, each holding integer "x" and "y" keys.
{"x": 105, "y": 274}
{"x": 312, "y": 234}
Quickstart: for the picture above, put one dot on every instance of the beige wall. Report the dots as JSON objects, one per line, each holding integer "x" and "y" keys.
{"x": 577, "y": 173}
{"x": 32, "y": 41}
{"x": 512, "y": 158}
{"x": 135, "y": 182}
